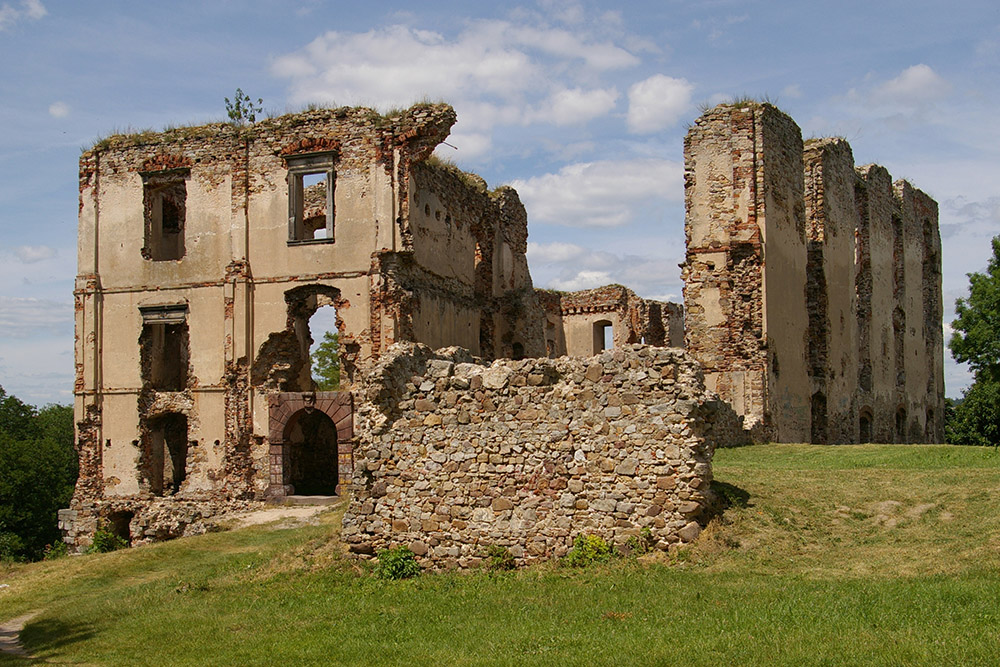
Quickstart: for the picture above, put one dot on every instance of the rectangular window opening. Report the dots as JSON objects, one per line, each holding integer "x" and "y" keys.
{"x": 164, "y": 198}
{"x": 164, "y": 347}
{"x": 311, "y": 182}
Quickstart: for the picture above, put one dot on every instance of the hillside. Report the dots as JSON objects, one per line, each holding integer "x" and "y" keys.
{"x": 828, "y": 555}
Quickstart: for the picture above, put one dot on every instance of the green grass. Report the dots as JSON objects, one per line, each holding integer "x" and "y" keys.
{"x": 830, "y": 555}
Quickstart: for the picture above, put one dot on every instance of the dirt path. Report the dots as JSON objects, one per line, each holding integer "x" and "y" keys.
{"x": 289, "y": 515}
{"x": 9, "y": 631}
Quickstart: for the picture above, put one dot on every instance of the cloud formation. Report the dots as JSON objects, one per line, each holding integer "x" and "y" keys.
{"x": 496, "y": 73}
{"x": 58, "y": 109}
{"x": 29, "y": 317}
{"x": 29, "y": 254}
{"x": 608, "y": 193}
{"x": 657, "y": 103}
{"x": 28, "y": 9}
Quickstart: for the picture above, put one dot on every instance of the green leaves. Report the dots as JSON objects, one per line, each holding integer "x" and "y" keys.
{"x": 976, "y": 340}
{"x": 241, "y": 109}
{"x": 326, "y": 363}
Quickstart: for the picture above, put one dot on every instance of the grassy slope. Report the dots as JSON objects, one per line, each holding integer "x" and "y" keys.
{"x": 846, "y": 555}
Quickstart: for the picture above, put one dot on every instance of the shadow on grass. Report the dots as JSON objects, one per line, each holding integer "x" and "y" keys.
{"x": 729, "y": 495}
{"x": 48, "y": 636}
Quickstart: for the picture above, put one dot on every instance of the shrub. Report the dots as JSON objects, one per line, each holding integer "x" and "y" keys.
{"x": 396, "y": 563}
{"x": 588, "y": 549}
{"x": 499, "y": 558}
{"x": 105, "y": 541}
{"x": 55, "y": 550}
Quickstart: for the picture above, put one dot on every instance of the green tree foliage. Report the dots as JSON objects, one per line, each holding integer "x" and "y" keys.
{"x": 326, "y": 363}
{"x": 38, "y": 469}
{"x": 976, "y": 341}
{"x": 976, "y": 418}
{"x": 241, "y": 109}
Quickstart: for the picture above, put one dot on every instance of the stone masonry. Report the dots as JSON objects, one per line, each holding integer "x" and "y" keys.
{"x": 456, "y": 455}
{"x": 812, "y": 289}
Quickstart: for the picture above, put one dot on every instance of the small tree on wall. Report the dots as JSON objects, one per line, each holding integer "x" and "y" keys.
{"x": 242, "y": 110}
{"x": 326, "y": 363}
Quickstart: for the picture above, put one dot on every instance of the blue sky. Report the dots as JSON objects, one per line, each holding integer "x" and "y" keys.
{"x": 581, "y": 105}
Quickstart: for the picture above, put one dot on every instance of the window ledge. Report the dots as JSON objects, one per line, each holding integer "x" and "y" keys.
{"x": 309, "y": 241}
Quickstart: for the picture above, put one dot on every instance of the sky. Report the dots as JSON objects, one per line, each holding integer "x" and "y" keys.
{"x": 582, "y": 105}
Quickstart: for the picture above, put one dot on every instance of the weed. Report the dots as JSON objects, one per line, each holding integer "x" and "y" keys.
{"x": 499, "y": 558}
{"x": 396, "y": 563}
{"x": 53, "y": 551}
{"x": 588, "y": 549}
{"x": 105, "y": 541}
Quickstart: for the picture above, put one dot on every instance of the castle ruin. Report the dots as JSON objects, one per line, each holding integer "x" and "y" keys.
{"x": 813, "y": 309}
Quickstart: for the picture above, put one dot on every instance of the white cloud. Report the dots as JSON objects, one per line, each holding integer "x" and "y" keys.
{"x": 915, "y": 86}
{"x": 28, "y": 317}
{"x": 494, "y": 72}
{"x": 575, "y": 106}
{"x": 568, "y": 266}
{"x": 657, "y": 103}
{"x": 58, "y": 109}
{"x": 29, "y": 9}
{"x": 30, "y": 254}
{"x": 545, "y": 253}
{"x": 792, "y": 90}
{"x": 600, "y": 194}
{"x": 583, "y": 280}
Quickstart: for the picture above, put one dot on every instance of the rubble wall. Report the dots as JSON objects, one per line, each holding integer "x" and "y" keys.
{"x": 456, "y": 456}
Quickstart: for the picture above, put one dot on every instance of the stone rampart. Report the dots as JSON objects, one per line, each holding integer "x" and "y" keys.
{"x": 455, "y": 456}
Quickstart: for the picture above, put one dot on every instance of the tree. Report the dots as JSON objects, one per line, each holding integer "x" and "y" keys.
{"x": 38, "y": 469}
{"x": 326, "y": 363}
{"x": 241, "y": 109}
{"x": 976, "y": 341}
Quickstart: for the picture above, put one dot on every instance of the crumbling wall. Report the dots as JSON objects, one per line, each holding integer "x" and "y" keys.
{"x": 831, "y": 214}
{"x": 744, "y": 187}
{"x": 877, "y": 399}
{"x": 575, "y": 320}
{"x": 455, "y": 455}
{"x": 812, "y": 293}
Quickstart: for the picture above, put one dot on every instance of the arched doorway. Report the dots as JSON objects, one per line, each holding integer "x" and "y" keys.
{"x": 310, "y": 465}
{"x": 311, "y": 442}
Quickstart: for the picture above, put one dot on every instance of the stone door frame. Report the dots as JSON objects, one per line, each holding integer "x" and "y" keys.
{"x": 337, "y": 405}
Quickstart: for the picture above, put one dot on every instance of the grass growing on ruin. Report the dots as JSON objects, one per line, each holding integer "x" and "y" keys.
{"x": 846, "y": 555}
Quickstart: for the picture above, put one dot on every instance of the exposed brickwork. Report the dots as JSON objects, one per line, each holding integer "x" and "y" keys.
{"x": 812, "y": 293}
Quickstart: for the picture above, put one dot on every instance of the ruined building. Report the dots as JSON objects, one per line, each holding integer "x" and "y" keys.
{"x": 205, "y": 251}
{"x": 812, "y": 288}
{"x": 813, "y": 309}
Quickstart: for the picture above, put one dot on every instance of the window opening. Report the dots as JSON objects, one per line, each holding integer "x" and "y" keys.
{"x": 311, "y": 180}
{"x": 163, "y": 347}
{"x": 324, "y": 351}
{"x": 164, "y": 196}
{"x": 865, "y": 427}
{"x": 901, "y": 425}
{"x": 819, "y": 434}
{"x": 168, "y": 436}
{"x": 603, "y": 336}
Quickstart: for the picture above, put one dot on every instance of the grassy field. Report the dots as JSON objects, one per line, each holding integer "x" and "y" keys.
{"x": 828, "y": 555}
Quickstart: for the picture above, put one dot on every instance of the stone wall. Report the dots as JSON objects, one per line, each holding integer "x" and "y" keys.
{"x": 456, "y": 455}
{"x": 812, "y": 292}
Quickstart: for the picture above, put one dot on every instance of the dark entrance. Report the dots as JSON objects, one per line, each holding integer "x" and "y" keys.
{"x": 310, "y": 449}
{"x": 819, "y": 433}
{"x": 167, "y": 454}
